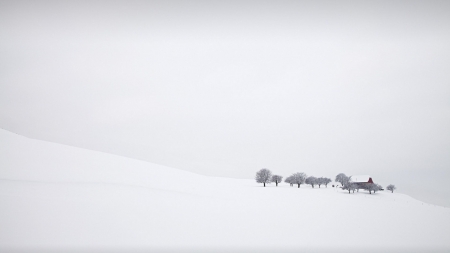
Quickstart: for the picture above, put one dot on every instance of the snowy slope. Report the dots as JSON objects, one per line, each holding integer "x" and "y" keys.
{"x": 64, "y": 198}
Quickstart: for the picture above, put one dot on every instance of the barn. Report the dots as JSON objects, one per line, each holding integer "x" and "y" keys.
{"x": 361, "y": 180}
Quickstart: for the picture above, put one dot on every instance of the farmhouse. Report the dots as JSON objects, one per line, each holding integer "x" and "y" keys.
{"x": 361, "y": 180}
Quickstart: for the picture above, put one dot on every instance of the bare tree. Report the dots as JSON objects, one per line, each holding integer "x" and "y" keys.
{"x": 349, "y": 186}
{"x": 320, "y": 181}
{"x": 276, "y": 179}
{"x": 323, "y": 180}
{"x": 347, "y": 179}
{"x": 298, "y": 178}
{"x": 341, "y": 178}
{"x": 377, "y": 188}
{"x": 264, "y": 176}
{"x": 391, "y": 188}
{"x": 326, "y": 181}
{"x": 311, "y": 180}
{"x": 372, "y": 188}
{"x": 368, "y": 187}
{"x": 289, "y": 180}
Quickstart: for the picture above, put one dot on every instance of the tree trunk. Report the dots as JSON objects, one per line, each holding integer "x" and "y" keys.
{"x": 298, "y": 185}
{"x": 264, "y": 184}
{"x": 276, "y": 183}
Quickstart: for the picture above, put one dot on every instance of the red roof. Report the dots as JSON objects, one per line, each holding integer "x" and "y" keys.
{"x": 362, "y": 179}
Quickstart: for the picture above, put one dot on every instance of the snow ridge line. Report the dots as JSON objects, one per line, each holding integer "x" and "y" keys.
{"x": 100, "y": 183}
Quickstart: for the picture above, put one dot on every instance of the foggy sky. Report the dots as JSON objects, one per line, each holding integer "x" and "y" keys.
{"x": 227, "y": 88}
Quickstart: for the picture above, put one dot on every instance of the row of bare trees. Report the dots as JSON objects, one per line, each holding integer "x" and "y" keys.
{"x": 352, "y": 187}
{"x": 264, "y": 176}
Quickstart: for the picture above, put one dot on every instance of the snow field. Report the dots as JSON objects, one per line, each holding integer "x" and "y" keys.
{"x": 59, "y": 197}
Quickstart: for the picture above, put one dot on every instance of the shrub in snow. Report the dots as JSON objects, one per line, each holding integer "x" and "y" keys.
{"x": 264, "y": 176}
{"x": 276, "y": 179}
{"x": 391, "y": 188}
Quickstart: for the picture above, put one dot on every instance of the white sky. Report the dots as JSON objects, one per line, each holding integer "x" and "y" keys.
{"x": 225, "y": 89}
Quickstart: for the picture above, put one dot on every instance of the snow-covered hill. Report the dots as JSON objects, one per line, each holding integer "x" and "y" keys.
{"x": 64, "y": 198}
